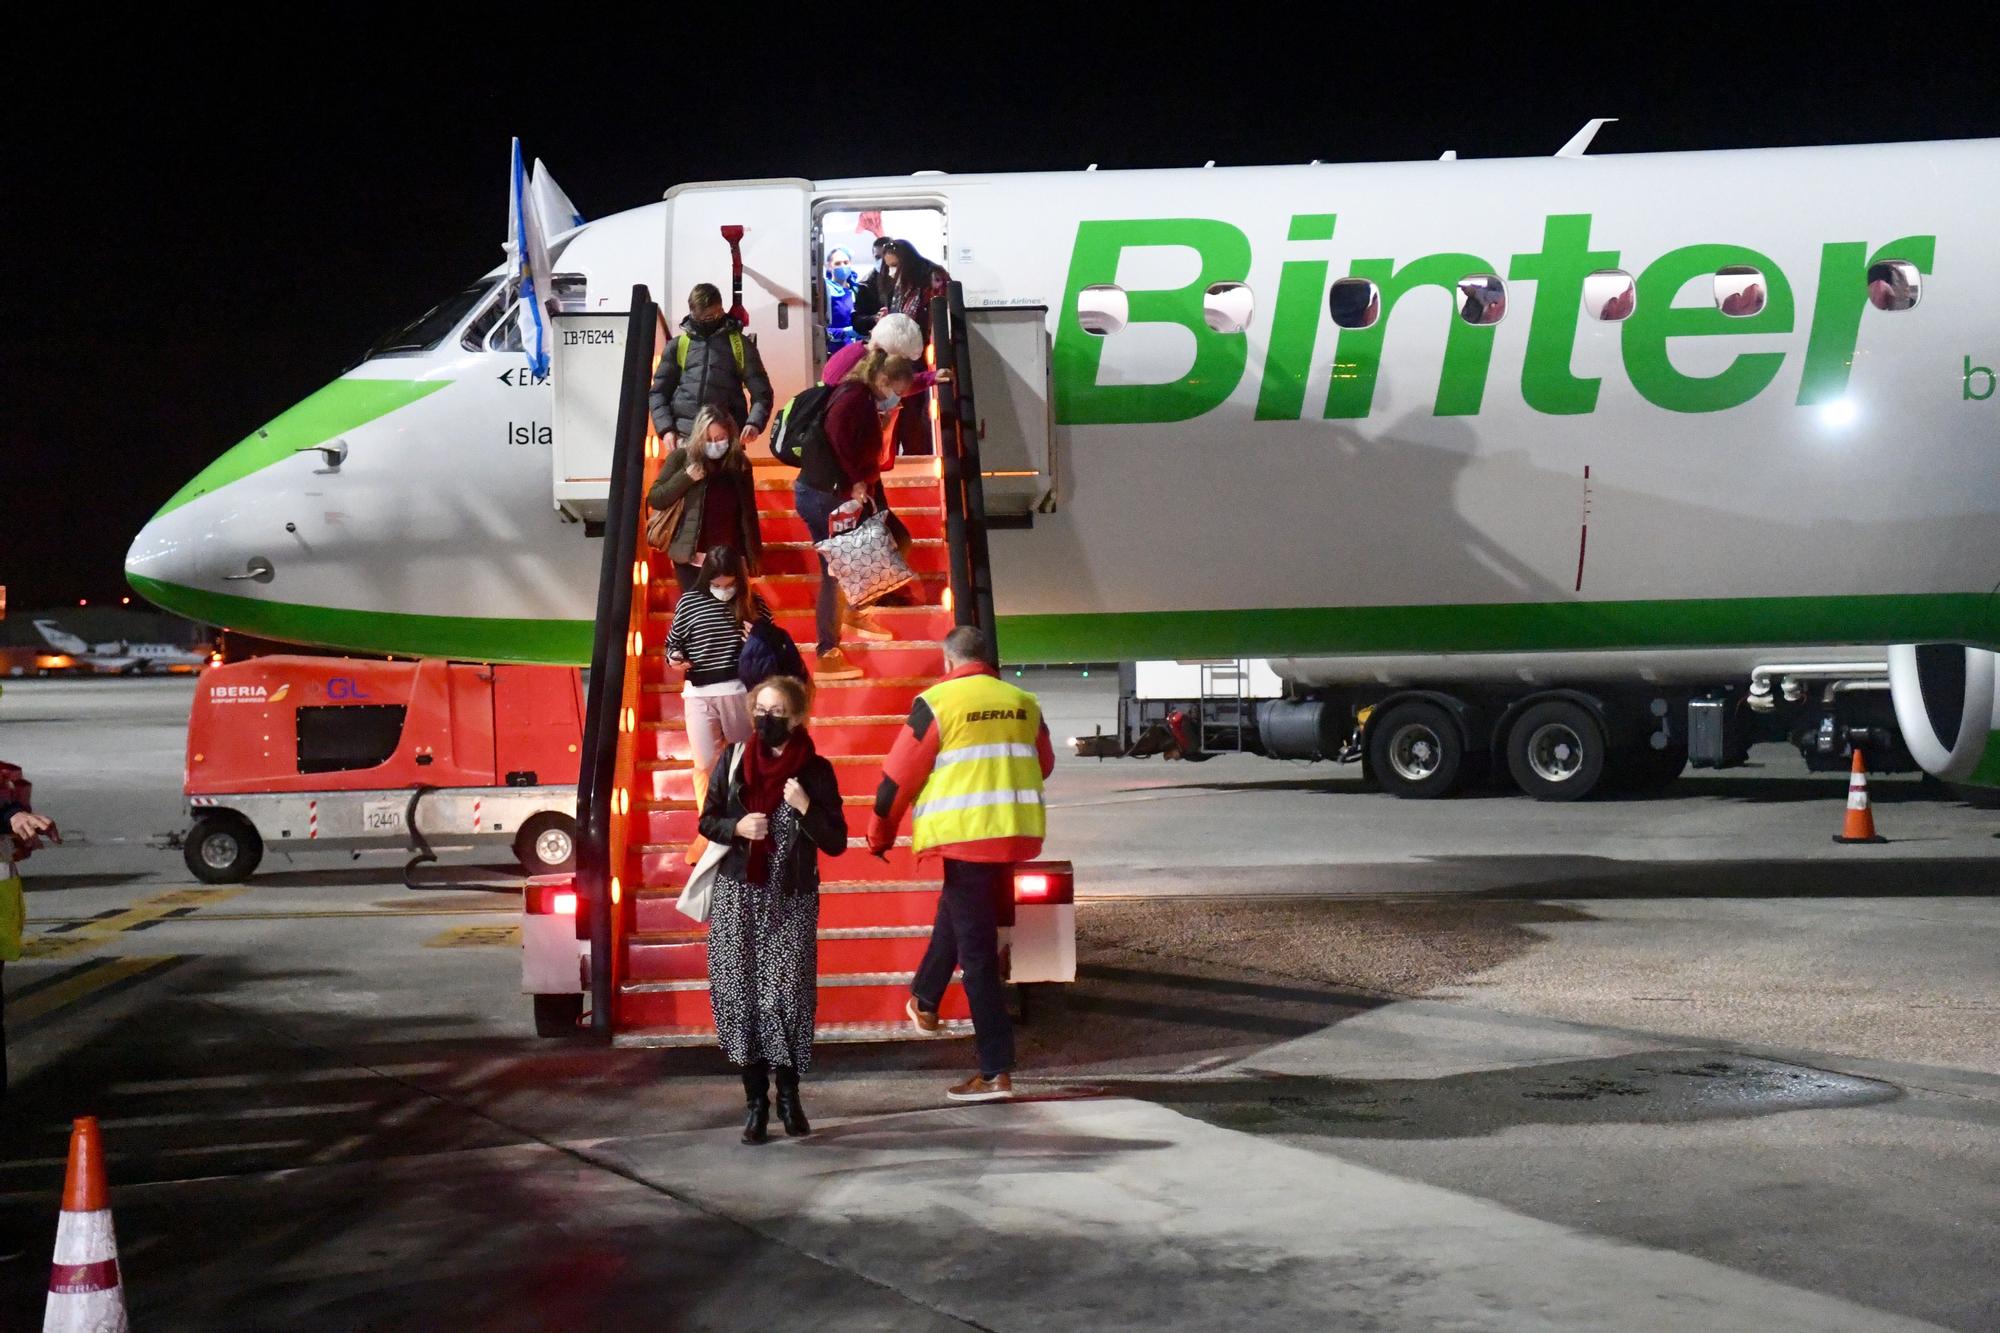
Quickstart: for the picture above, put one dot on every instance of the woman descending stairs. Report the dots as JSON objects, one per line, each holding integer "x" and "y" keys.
{"x": 875, "y": 917}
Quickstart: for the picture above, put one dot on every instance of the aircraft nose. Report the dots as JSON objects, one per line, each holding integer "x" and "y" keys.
{"x": 167, "y": 560}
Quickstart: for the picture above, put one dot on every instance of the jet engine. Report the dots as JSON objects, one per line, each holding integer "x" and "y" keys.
{"x": 1945, "y": 707}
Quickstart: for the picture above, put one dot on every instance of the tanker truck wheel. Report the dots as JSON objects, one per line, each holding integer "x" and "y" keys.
{"x": 546, "y": 844}
{"x": 1415, "y": 751}
{"x": 222, "y": 849}
{"x": 1556, "y": 751}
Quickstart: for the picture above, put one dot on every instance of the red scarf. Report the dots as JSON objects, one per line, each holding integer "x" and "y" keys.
{"x": 764, "y": 779}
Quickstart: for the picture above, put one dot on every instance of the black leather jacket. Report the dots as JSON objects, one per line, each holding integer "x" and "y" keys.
{"x": 824, "y": 824}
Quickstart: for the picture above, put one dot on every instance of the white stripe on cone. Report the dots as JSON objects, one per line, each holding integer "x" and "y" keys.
{"x": 86, "y": 1240}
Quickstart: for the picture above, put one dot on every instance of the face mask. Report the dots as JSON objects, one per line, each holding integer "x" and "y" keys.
{"x": 843, "y": 274}
{"x": 720, "y": 593}
{"x": 774, "y": 731}
{"x": 887, "y": 404}
{"x": 716, "y": 449}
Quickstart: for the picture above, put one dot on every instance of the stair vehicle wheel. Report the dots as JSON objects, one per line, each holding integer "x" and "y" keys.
{"x": 546, "y": 844}
{"x": 222, "y": 848}
{"x": 1415, "y": 751}
{"x": 557, "y": 1015}
{"x": 1556, "y": 751}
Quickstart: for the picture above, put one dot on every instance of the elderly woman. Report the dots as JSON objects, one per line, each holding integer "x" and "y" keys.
{"x": 776, "y": 805}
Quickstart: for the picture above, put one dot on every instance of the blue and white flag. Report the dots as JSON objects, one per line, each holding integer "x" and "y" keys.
{"x": 528, "y": 264}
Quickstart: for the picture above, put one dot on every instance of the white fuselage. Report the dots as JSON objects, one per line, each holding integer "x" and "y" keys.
{"x": 1804, "y": 479}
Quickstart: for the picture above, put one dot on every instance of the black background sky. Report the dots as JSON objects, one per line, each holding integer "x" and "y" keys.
{"x": 205, "y": 223}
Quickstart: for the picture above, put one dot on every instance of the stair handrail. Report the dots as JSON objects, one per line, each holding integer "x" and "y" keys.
{"x": 611, "y": 706}
{"x": 971, "y": 569}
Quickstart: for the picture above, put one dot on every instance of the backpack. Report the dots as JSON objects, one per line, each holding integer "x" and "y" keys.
{"x": 735, "y": 350}
{"x": 801, "y": 425}
{"x": 769, "y": 651}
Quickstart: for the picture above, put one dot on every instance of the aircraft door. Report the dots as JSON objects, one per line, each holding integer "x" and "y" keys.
{"x": 777, "y": 273}
{"x": 1010, "y": 374}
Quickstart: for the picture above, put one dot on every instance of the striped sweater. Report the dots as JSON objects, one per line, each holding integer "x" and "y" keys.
{"x": 707, "y": 634}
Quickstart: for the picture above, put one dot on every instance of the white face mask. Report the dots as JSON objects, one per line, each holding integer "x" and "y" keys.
{"x": 887, "y": 403}
{"x": 720, "y": 593}
{"x": 715, "y": 449}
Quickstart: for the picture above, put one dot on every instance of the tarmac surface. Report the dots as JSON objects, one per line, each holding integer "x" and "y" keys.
{"x": 1333, "y": 1060}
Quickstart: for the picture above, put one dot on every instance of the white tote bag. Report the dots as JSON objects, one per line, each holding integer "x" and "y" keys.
{"x": 694, "y": 899}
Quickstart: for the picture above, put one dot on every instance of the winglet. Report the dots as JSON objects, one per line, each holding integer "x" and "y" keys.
{"x": 1448, "y": 155}
{"x": 1580, "y": 141}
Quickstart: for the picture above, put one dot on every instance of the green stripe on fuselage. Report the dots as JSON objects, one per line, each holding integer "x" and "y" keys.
{"x": 1511, "y": 627}
{"x": 477, "y": 638}
{"x": 342, "y": 405}
{"x": 1150, "y": 635}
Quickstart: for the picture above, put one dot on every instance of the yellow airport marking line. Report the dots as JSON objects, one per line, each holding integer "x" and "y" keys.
{"x": 109, "y": 972}
{"x": 317, "y": 914}
{"x": 477, "y": 937}
{"x": 96, "y": 930}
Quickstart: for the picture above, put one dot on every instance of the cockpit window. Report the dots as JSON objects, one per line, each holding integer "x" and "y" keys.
{"x": 430, "y": 328}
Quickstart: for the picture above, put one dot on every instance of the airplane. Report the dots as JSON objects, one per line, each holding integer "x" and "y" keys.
{"x": 1472, "y": 428}
{"x": 120, "y": 656}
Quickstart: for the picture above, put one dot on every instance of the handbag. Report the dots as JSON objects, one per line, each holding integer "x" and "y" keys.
{"x": 865, "y": 561}
{"x": 662, "y": 524}
{"x": 700, "y": 888}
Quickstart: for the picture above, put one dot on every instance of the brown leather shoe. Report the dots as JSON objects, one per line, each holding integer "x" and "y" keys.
{"x": 864, "y": 626}
{"x": 835, "y": 665}
{"x": 923, "y": 1020}
{"x": 979, "y": 1088}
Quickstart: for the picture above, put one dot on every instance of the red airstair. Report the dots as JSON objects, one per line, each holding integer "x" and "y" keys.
{"x": 651, "y": 987}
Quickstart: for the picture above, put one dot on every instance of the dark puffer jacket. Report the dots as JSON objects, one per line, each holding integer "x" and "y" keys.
{"x": 710, "y": 378}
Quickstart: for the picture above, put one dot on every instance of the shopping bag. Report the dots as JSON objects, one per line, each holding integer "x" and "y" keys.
{"x": 865, "y": 561}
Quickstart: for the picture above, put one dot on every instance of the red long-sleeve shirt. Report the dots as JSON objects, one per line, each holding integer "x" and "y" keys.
{"x": 854, "y": 430}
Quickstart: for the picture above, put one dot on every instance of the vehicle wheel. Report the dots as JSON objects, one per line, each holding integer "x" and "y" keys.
{"x": 546, "y": 844}
{"x": 222, "y": 849}
{"x": 557, "y": 1015}
{"x": 1556, "y": 751}
{"x": 1415, "y": 751}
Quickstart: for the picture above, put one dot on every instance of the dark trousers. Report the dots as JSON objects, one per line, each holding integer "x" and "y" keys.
{"x": 816, "y": 508}
{"x": 686, "y": 575}
{"x": 967, "y": 936}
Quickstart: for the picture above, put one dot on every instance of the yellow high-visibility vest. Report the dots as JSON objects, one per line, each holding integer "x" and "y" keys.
{"x": 987, "y": 779}
{"x": 13, "y": 914}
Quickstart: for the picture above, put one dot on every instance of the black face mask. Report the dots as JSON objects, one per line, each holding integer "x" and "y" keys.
{"x": 773, "y": 730}
{"x": 708, "y": 327}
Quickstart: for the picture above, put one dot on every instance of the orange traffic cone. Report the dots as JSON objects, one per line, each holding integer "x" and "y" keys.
{"x": 1860, "y": 819}
{"x": 85, "y": 1294}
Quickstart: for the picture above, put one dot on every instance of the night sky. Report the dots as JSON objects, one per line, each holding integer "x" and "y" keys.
{"x": 200, "y": 234}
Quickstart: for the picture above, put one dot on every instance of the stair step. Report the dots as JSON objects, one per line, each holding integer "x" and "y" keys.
{"x": 823, "y": 1033}
{"x": 784, "y": 525}
{"x": 793, "y": 592}
{"x": 664, "y": 865}
{"x": 875, "y": 997}
{"x": 864, "y": 905}
{"x": 875, "y": 949}
{"x": 926, "y": 557}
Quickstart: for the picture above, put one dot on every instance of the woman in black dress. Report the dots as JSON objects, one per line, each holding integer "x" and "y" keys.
{"x": 777, "y": 808}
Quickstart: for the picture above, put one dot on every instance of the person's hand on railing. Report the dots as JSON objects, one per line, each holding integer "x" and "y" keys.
{"x": 947, "y": 375}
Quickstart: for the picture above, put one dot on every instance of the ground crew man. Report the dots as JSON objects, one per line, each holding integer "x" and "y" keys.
{"x": 710, "y": 363}
{"x": 971, "y": 760}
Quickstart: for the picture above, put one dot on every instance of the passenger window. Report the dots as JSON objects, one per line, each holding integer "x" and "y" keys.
{"x": 1894, "y": 284}
{"x": 341, "y": 737}
{"x": 1739, "y": 291}
{"x": 1356, "y": 303}
{"x": 1482, "y": 299}
{"x": 1610, "y": 295}
{"x": 1227, "y": 306}
{"x": 1103, "y": 309}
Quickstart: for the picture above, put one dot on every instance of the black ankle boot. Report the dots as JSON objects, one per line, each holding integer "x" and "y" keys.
{"x": 757, "y": 1095}
{"x": 790, "y": 1111}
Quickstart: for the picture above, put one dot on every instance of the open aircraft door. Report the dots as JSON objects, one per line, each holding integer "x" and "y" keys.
{"x": 776, "y": 266}
{"x": 1010, "y": 368}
